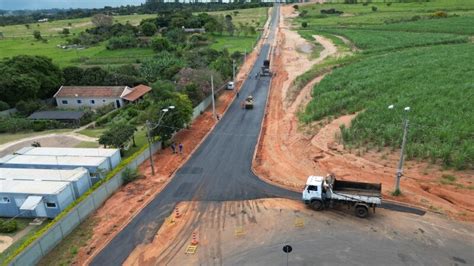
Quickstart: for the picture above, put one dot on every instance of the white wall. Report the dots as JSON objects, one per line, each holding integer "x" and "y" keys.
{"x": 86, "y": 102}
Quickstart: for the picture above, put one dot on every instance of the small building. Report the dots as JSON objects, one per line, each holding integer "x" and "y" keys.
{"x": 32, "y": 199}
{"x": 43, "y": 20}
{"x": 72, "y": 117}
{"x": 194, "y": 30}
{"x": 112, "y": 155}
{"x": 97, "y": 96}
{"x": 79, "y": 177}
{"x": 97, "y": 166}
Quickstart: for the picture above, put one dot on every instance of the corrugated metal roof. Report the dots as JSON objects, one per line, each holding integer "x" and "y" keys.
{"x": 32, "y": 187}
{"x": 57, "y": 115}
{"x": 42, "y": 174}
{"x": 56, "y": 151}
{"x": 53, "y": 160}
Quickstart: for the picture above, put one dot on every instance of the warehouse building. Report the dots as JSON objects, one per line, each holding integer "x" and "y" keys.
{"x": 112, "y": 155}
{"x": 97, "y": 166}
{"x": 79, "y": 177}
{"x": 32, "y": 199}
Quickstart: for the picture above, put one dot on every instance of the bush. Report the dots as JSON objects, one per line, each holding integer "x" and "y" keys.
{"x": 28, "y": 107}
{"x": 149, "y": 29}
{"x": 13, "y": 125}
{"x": 129, "y": 175}
{"x": 122, "y": 42}
{"x": 440, "y": 14}
{"x": 8, "y": 226}
{"x": 304, "y": 24}
{"x": 374, "y": 8}
{"x": 41, "y": 125}
{"x": 4, "y": 106}
{"x": 295, "y": 7}
{"x": 389, "y": 3}
{"x": 160, "y": 44}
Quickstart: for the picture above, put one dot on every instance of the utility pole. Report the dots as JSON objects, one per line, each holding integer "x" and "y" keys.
{"x": 399, "y": 173}
{"x": 213, "y": 102}
{"x": 402, "y": 153}
{"x": 148, "y": 132}
{"x": 233, "y": 71}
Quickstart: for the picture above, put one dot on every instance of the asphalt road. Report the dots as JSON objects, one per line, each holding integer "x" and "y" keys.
{"x": 218, "y": 171}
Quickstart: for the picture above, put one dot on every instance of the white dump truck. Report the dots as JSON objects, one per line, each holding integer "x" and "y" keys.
{"x": 324, "y": 192}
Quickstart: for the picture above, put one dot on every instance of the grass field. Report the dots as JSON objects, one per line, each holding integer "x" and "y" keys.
{"x": 424, "y": 64}
{"x": 19, "y": 40}
{"x": 234, "y": 43}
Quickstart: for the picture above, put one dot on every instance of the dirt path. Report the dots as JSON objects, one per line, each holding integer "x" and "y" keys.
{"x": 289, "y": 152}
{"x": 49, "y": 140}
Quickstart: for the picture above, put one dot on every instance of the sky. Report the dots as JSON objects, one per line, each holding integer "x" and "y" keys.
{"x": 46, "y": 4}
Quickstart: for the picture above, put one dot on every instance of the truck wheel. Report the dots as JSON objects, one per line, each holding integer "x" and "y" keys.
{"x": 361, "y": 211}
{"x": 317, "y": 205}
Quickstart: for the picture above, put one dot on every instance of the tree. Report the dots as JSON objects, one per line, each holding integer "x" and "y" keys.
{"x": 94, "y": 76}
{"x": 37, "y": 35}
{"x": 176, "y": 36}
{"x": 304, "y": 24}
{"x": 296, "y": 7}
{"x": 73, "y": 75}
{"x": 149, "y": 29}
{"x": 159, "y": 44}
{"x": 65, "y": 31}
{"x": 102, "y": 20}
{"x": 164, "y": 66}
{"x": 118, "y": 135}
{"x": 4, "y": 106}
{"x": 175, "y": 119}
{"x": 27, "y": 26}
{"x": 28, "y": 77}
{"x": 229, "y": 26}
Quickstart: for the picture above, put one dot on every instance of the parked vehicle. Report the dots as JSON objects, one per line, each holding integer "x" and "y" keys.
{"x": 230, "y": 85}
{"x": 324, "y": 192}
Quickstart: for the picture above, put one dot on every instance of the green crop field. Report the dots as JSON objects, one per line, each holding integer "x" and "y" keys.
{"x": 406, "y": 58}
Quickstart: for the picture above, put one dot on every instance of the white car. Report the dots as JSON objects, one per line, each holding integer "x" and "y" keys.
{"x": 230, "y": 85}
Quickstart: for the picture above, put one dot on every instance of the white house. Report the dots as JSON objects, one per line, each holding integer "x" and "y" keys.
{"x": 76, "y": 97}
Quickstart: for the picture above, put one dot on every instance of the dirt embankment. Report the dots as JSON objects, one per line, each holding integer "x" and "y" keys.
{"x": 288, "y": 152}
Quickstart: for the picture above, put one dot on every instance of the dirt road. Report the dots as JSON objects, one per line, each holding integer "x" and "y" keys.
{"x": 253, "y": 232}
{"x": 289, "y": 151}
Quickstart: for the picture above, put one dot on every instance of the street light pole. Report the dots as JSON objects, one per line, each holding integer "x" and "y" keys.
{"x": 399, "y": 173}
{"x": 213, "y": 102}
{"x": 150, "y": 127}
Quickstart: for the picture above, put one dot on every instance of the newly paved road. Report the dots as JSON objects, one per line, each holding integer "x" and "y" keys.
{"x": 218, "y": 171}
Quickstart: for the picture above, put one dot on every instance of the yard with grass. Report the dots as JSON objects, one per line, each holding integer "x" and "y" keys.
{"x": 405, "y": 57}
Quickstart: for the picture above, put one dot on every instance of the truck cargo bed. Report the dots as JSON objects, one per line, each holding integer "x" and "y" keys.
{"x": 357, "y": 188}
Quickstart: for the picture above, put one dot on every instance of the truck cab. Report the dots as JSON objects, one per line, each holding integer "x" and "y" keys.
{"x": 313, "y": 189}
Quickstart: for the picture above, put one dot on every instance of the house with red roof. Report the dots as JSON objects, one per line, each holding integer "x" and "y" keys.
{"x": 77, "y": 97}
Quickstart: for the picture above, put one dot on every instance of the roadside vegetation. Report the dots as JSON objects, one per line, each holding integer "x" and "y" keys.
{"x": 409, "y": 54}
